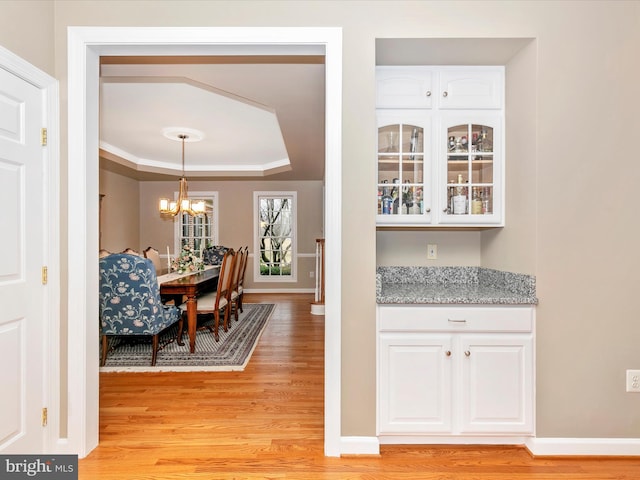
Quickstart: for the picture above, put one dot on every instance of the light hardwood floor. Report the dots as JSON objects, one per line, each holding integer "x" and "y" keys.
{"x": 267, "y": 423}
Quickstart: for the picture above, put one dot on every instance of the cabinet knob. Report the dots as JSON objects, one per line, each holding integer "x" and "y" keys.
{"x": 448, "y": 353}
{"x": 445, "y": 94}
{"x": 428, "y": 210}
{"x": 467, "y": 353}
{"x": 445, "y": 210}
{"x": 428, "y": 94}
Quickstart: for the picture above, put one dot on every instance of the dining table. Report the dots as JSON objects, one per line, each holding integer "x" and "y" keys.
{"x": 176, "y": 287}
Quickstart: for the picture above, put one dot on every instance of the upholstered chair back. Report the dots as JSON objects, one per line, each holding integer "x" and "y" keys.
{"x": 130, "y": 297}
{"x": 153, "y": 255}
{"x": 213, "y": 255}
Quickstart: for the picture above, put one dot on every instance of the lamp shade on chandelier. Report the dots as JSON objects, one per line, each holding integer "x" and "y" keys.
{"x": 183, "y": 204}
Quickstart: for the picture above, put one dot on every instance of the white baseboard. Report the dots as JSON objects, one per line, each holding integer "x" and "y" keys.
{"x": 359, "y": 446}
{"x": 450, "y": 440}
{"x": 584, "y": 446}
{"x": 537, "y": 446}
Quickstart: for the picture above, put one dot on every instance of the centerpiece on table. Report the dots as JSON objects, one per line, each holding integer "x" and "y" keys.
{"x": 187, "y": 261}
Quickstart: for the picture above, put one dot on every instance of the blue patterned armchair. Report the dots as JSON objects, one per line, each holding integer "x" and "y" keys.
{"x": 130, "y": 301}
{"x": 213, "y": 255}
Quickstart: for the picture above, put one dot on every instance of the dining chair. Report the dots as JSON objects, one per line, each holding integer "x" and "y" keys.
{"x": 234, "y": 291}
{"x": 131, "y": 251}
{"x": 214, "y": 302}
{"x": 212, "y": 255}
{"x": 153, "y": 255}
{"x": 129, "y": 302}
{"x": 243, "y": 269}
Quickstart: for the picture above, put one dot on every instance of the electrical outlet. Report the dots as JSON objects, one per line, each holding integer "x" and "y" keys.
{"x": 633, "y": 381}
{"x": 432, "y": 251}
{"x": 312, "y": 274}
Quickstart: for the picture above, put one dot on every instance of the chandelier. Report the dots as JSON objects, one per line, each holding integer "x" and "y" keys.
{"x": 183, "y": 204}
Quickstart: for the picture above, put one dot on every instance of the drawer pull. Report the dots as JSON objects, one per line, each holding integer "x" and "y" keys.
{"x": 448, "y": 353}
{"x": 467, "y": 353}
{"x": 453, "y": 320}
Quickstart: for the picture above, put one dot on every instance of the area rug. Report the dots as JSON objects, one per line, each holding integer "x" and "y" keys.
{"x": 231, "y": 353}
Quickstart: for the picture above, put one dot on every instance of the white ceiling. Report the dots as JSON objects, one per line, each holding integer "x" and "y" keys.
{"x": 258, "y": 116}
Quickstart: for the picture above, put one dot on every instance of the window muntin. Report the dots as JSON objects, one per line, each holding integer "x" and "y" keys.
{"x": 202, "y": 230}
{"x": 275, "y": 232}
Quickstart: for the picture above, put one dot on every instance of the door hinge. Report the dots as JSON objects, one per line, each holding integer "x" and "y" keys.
{"x": 43, "y": 137}
{"x": 44, "y": 417}
{"x": 45, "y": 272}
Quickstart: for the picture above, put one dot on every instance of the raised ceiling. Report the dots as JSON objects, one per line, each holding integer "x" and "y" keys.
{"x": 259, "y": 116}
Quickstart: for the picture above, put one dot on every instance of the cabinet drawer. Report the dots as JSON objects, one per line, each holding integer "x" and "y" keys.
{"x": 457, "y": 318}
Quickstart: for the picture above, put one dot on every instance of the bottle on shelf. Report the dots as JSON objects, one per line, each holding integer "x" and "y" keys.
{"x": 386, "y": 200}
{"x": 407, "y": 197}
{"x": 484, "y": 142}
{"x": 476, "y": 202}
{"x": 474, "y": 142}
{"x": 486, "y": 199}
{"x": 392, "y": 141}
{"x": 395, "y": 196}
{"x": 459, "y": 198}
{"x": 413, "y": 143}
{"x": 417, "y": 204}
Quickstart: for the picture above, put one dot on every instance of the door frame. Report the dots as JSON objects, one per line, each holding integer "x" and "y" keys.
{"x": 50, "y": 219}
{"x": 85, "y": 46}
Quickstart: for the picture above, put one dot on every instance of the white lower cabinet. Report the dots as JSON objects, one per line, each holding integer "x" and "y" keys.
{"x": 415, "y": 383}
{"x": 443, "y": 375}
{"x": 496, "y": 383}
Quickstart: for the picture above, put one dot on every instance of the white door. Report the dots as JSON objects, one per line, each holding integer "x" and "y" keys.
{"x": 415, "y": 383}
{"x": 21, "y": 259}
{"x": 497, "y": 384}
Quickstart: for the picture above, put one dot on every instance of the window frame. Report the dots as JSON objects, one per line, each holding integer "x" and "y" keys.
{"x": 293, "y": 196}
{"x": 215, "y": 223}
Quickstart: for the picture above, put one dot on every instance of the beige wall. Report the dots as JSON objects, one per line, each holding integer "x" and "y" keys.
{"x": 513, "y": 248}
{"x": 409, "y": 247}
{"x": 26, "y": 28}
{"x": 579, "y": 178}
{"x": 142, "y": 226}
{"x": 119, "y": 212}
{"x": 235, "y": 210}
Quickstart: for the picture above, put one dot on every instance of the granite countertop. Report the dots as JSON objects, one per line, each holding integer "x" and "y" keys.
{"x": 453, "y": 285}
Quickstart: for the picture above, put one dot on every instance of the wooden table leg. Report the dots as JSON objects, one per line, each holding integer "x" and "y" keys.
{"x": 192, "y": 319}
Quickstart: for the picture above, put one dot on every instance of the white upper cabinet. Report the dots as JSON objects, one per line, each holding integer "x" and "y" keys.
{"x": 440, "y": 146}
{"x": 405, "y": 176}
{"x": 465, "y": 88}
{"x": 471, "y": 168}
{"x": 407, "y": 87}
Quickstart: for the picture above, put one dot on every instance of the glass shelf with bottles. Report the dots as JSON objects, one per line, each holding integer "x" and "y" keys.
{"x": 470, "y": 170}
{"x": 401, "y": 172}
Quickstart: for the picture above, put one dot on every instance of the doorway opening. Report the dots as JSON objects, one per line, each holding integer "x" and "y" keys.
{"x": 85, "y": 47}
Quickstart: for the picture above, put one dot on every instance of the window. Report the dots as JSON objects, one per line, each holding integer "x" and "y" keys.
{"x": 275, "y": 236}
{"x": 200, "y": 231}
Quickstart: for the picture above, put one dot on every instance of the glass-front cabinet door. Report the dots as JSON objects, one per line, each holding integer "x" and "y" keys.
{"x": 472, "y": 180}
{"x": 404, "y": 169}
